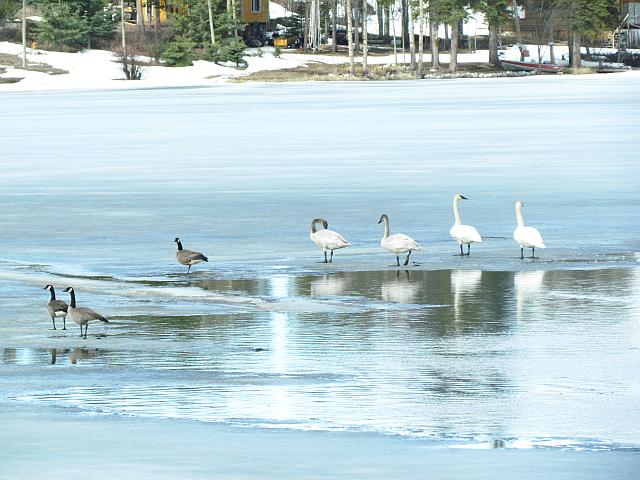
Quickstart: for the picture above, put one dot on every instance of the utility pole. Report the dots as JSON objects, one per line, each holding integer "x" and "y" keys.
{"x": 213, "y": 35}
{"x": 24, "y": 33}
{"x": 124, "y": 38}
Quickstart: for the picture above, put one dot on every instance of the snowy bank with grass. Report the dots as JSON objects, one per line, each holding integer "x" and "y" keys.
{"x": 99, "y": 69}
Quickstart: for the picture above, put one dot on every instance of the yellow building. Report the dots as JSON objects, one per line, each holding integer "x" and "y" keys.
{"x": 255, "y": 13}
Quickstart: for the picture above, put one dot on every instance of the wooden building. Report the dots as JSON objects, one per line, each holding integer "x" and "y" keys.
{"x": 255, "y": 14}
{"x": 630, "y": 26}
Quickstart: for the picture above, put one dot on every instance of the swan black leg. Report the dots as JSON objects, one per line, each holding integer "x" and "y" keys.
{"x": 86, "y": 327}
{"x": 331, "y": 258}
{"x": 189, "y": 270}
{"x": 398, "y": 259}
{"x": 533, "y": 252}
{"x": 53, "y": 319}
{"x": 461, "y": 251}
{"x": 64, "y": 323}
{"x": 325, "y": 257}
{"x": 468, "y": 248}
{"x": 406, "y": 262}
{"x": 80, "y": 331}
{"x": 521, "y": 253}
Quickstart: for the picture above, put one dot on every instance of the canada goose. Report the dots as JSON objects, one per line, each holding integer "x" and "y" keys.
{"x": 397, "y": 243}
{"x": 527, "y": 237}
{"x": 188, "y": 257}
{"x": 326, "y": 239}
{"x": 463, "y": 234}
{"x": 56, "y": 308}
{"x": 82, "y": 315}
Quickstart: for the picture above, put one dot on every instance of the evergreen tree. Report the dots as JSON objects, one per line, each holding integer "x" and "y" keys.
{"x": 77, "y": 23}
{"x": 587, "y": 18}
{"x": 8, "y": 9}
{"x": 495, "y": 13}
{"x": 453, "y": 12}
{"x": 61, "y": 27}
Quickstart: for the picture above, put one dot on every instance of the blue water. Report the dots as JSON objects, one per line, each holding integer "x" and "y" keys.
{"x": 466, "y": 351}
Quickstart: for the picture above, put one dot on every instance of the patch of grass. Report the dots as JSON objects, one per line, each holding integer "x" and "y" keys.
{"x": 317, "y": 71}
{"x": 16, "y": 61}
{"x": 579, "y": 71}
{"x": 9, "y": 79}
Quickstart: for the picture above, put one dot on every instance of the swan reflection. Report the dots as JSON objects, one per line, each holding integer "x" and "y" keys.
{"x": 400, "y": 289}
{"x": 528, "y": 286}
{"x": 329, "y": 285}
{"x": 464, "y": 283}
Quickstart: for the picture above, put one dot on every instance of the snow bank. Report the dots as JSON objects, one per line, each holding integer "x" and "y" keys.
{"x": 96, "y": 69}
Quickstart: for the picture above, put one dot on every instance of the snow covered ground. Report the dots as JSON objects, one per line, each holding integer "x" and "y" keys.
{"x": 96, "y": 69}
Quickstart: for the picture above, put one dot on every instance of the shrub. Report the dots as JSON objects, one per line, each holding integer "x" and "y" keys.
{"x": 179, "y": 53}
{"x": 131, "y": 65}
{"x": 231, "y": 50}
{"x": 277, "y": 52}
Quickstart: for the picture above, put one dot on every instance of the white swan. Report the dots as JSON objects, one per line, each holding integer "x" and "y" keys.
{"x": 326, "y": 239}
{"x": 463, "y": 234}
{"x": 397, "y": 243}
{"x": 527, "y": 237}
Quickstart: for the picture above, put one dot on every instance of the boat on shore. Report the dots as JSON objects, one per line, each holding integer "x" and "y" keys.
{"x": 516, "y": 66}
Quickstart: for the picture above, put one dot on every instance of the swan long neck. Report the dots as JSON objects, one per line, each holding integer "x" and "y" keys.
{"x": 179, "y": 245}
{"x": 314, "y": 228}
{"x": 519, "y": 215}
{"x": 456, "y": 215}
{"x": 73, "y": 299}
{"x": 385, "y": 220}
{"x": 53, "y": 294}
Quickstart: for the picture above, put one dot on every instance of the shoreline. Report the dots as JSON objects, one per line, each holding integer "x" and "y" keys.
{"x": 52, "y": 440}
{"x": 96, "y": 70}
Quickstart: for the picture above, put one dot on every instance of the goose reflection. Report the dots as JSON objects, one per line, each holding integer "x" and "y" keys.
{"x": 329, "y": 285}
{"x": 399, "y": 288}
{"x": 528, "y": 286}
{"x": 464, "y": 283}
{"x": 56, "y": 353}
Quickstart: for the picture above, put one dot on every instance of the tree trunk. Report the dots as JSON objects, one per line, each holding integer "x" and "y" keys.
{"x": 433, "y": 37}
{"x": 326, "y": 26}
{"x": 421, "y": 39}
{"x": 380, "y": 16}
{"x": 356, "y": 24}
{"x": 307, "y": 14}
{"x": 412, "y": 39}
{"x": 213, "y": 35}
{"x": 453, "y": 62}
{"x": 576, "y": 60}
{"x": 24, "y": 33}
{"x": 516, "y": 19}
{"x": 139, "y": 16}
{"x": 157, "y": 14}
{"x": 395, "y": 42}
{"x": 405, "y": 24}
{"x": 494, "y": 32}
{"x": 349, "y": 14}
{"x": 365, "y": 40}
{"x": 387, "y": 17}
{"x": 334, "y": 20}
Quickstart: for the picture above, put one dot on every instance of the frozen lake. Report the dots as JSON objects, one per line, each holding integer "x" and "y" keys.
{"x": 483, "y": 351}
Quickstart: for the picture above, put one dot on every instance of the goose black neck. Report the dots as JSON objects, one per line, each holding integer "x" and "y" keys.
{"x": 179, "y": 245}
{"x": 52, "y": 291}
{"x": 73, "y": 299}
